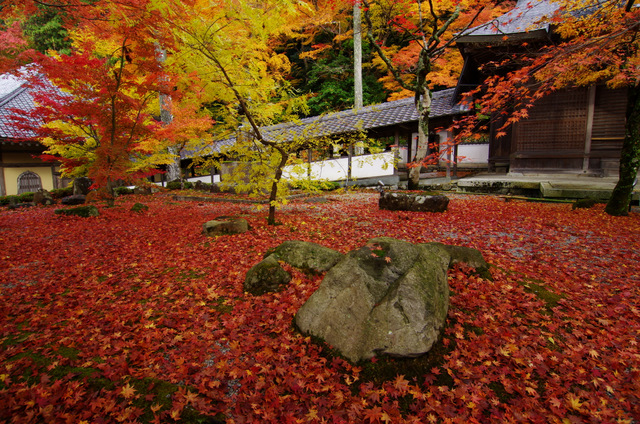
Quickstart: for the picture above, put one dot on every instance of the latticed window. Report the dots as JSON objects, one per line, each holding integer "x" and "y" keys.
{"x": 28, "y": 181}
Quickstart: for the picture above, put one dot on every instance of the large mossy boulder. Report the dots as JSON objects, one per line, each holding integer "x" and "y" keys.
{"x": 389, "y": 297}
{"x": 307, "y": 256}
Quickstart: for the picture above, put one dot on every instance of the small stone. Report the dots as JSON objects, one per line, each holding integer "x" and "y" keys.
{"x": 226, "y": 227}
{"x": 43, "y": 197}
{"x": 76, "y": 199}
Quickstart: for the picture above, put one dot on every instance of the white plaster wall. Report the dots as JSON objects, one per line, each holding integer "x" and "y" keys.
{"x": 473, "y": 153}
{"x": 205, "y": 179}
{"x": 365, "y": 166}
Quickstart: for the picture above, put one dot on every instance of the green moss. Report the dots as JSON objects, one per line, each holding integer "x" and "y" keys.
{"x": 139, "y": 208}
{"x": 15, "y": 339}
{"x": 473, "y": 329}
{"x": 550, "y": 298}
{"x": 418, "y": 369}
{"x": 68, "y": 352}
{"x": 82, "y": 211}
{"x": 81, "y": 373}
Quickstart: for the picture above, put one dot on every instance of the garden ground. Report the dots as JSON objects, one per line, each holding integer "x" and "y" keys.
{"x": 139, "y": 317}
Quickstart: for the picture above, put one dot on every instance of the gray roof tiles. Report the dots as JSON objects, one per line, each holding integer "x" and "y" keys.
{"x": 14, "y": 94}
{"x": 528, "y": 16}
{"x": 367, "y": 118}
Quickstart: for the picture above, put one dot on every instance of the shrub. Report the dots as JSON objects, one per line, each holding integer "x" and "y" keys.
{"x": 59, "y": 193}
{"x": 21, "y": 198}
{"x": 175, "y": 185}
{"x": 25, "y": 197}
{"x": 6, "y": 200}
{"x": 315, "y": 185}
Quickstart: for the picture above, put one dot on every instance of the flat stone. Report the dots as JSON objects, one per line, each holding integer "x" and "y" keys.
{"x": 413, "y": 202}
{"x": 226, "y": 227}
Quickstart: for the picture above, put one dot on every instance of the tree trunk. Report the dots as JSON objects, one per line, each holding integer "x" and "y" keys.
{"x": 110, "y": 193}
{"x": 618, "y": 204}
{"x": 273, "y": 196}
{"x": 424, "y": 109}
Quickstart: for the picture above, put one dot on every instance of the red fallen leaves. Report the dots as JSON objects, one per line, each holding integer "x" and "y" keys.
{"x": 96, "y": 314}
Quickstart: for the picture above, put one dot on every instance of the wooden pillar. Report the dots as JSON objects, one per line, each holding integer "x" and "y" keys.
{"x": 591, "y": 107}
{"x": 3, "y": 188}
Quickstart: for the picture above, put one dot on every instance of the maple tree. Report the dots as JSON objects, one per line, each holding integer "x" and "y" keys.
{"x": 431, "y": 28}
{"x": 149, "y": 322}
{"x": 14, "y": 49}
{"x": 598, "y": 45}
{"x": 230, "y": 46}
{"x": 100, "y": 123}
{"x": 95, "y": 107}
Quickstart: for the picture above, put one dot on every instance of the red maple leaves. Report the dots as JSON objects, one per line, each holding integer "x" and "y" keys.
{"x": 140, "y": 318}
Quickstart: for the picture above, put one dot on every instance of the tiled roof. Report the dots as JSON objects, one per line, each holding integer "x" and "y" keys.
{"x": 369, "y": 117}
{"x": 14, "y": 94}
{"x": 528, "y": 16}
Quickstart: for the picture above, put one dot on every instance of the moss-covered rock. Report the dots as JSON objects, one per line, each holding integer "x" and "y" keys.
{"x": 265, "y": 277}
{"x": 139, "y": 207}
{"x": 307, "y": 256}
{"x": 220, "y": 227}
{"x": 389, "y": 297}
{"x": 584, "y": 204}
{"x": 465, "y": 255}
{"x": 82, "y": 211}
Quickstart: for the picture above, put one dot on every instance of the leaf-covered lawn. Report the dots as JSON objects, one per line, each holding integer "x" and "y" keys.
{"x": 138, "y": 317}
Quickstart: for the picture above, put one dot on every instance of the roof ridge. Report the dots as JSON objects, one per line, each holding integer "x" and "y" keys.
{"x": 352, "y": 112}
{"x": 12, "y": 95}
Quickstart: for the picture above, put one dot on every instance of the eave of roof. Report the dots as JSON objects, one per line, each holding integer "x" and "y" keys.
{"x": 530, "y": 19}
{"x": 349, "y": 121}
